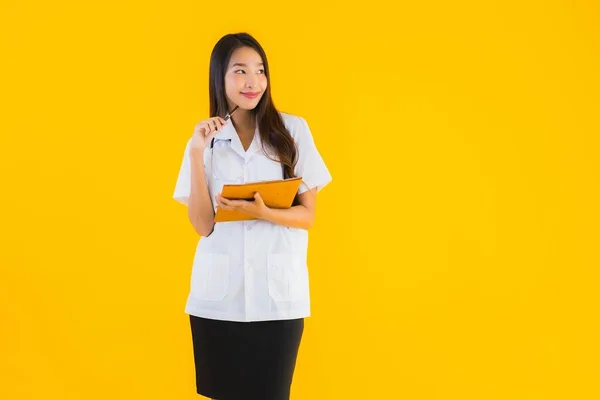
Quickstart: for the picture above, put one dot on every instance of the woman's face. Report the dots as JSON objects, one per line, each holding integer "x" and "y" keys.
{"x": 245, "y": 79}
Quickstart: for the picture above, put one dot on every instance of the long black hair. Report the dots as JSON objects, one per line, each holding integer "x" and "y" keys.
{"x": 273, "y": 132}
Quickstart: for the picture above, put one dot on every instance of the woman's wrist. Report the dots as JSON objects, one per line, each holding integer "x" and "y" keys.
{"x": 197, "y": 153}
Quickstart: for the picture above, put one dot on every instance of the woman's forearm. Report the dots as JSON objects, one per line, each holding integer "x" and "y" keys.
{"x": 200, "y": 208}
{"x": 293, "y": 217}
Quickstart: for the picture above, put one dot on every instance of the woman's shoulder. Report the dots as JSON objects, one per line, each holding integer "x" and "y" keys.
{"x": 294, "y": 123}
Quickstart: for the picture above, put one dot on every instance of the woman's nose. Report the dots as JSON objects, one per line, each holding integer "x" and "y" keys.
{"x": 251, "y": 81}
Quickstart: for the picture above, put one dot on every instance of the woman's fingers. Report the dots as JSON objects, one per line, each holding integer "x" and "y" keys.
{"x": 224, "y": 203}
{"x": 219, "y": 123}
{"x": 210, "y": 127}
{"x": 214, "y": 125}
{"x": 205, "y": 128}
{"x": 211, "y": 135}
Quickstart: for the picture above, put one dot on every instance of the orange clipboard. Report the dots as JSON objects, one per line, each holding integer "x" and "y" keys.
{"x": 278, "y": 193}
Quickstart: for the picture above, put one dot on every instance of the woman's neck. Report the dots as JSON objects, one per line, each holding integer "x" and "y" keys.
{"x": 244, "y": 122}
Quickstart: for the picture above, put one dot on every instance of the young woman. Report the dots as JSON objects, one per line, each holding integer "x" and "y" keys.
{"x": 249, "y": 291}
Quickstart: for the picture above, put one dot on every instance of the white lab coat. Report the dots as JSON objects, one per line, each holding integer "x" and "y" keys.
{"x": 252, "y": 270}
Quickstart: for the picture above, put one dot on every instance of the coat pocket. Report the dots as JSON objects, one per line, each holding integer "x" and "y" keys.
{"x": 287, "y": 276}
{"x": 210, "y": 276}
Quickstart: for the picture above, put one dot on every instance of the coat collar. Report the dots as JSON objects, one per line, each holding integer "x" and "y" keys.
{"x": 229, "y": 132}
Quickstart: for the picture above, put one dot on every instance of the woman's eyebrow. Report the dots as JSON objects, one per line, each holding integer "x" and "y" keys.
{"x": 245, "y": 65}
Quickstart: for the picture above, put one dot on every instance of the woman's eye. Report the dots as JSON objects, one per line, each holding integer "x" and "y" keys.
{"x": 262, "y": 71}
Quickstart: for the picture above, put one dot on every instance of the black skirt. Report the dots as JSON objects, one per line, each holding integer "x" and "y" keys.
{"x": 245, "y": 360}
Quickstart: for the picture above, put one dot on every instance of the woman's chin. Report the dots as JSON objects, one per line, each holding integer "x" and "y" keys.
{"x": 248, "y": 104}
{"x": 248, "y": 107}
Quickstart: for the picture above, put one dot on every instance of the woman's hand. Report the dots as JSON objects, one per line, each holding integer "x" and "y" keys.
{"x": 204, "y": 132}
{"x": 256, "y": 208}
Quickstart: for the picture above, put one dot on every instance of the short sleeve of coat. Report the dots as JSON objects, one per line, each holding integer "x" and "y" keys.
{"x": 183, "y": 184}
{"x": 310, "y": 165}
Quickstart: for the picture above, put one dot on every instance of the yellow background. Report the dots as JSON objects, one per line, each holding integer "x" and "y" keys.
{"x": 455, "y": 254}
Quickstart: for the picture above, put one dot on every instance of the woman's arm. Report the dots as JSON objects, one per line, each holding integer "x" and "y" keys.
{"x": 200, "y": 208}
{"x": 301, "y": 216}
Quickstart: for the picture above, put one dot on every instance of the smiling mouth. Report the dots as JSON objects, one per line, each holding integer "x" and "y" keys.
{"x": 250, "y": 95}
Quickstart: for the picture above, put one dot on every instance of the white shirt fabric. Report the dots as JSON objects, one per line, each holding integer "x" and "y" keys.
{"x": 251, "y": 270}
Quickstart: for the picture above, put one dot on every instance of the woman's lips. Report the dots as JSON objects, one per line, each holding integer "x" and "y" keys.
{"x": 251, "y": 95}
